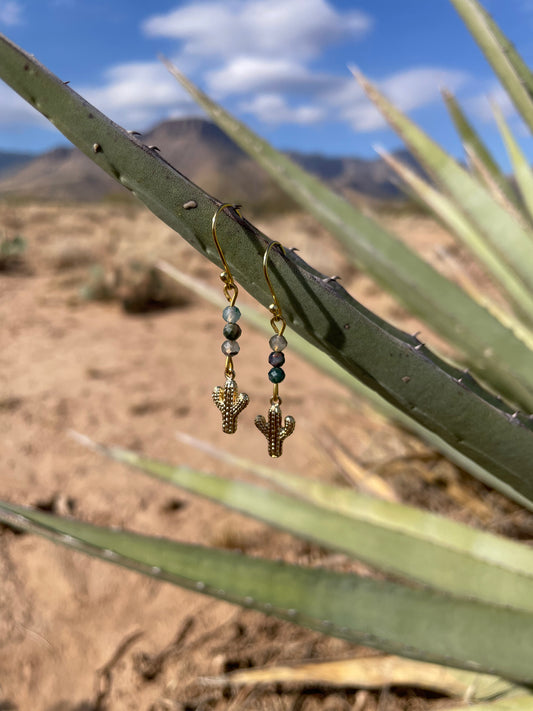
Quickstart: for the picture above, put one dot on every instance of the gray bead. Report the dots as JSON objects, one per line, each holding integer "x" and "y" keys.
{"x": 278, "y": 343}
{"x": 230, "y": 348}
{"x": 231, "y": 314}
{"x": 232, "y": 331}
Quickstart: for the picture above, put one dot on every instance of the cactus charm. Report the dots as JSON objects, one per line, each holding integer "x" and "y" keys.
{"x": 230, "y": 403}
{"x": 273, "y": 430}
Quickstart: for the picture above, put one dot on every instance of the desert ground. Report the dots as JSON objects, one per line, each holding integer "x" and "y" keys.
{"x": 86, "y": 345}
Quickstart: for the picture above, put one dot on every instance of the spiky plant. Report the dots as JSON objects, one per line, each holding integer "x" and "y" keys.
{"x": 463, "y": 598}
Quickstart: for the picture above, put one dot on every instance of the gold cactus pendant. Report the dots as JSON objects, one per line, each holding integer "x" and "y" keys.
{"x": 274, "y": 430}
{"x": 231, "y": 403}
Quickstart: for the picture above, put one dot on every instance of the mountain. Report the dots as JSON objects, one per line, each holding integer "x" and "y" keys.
{"x": 9, "y": 162}
{"x": 202, "y": 152}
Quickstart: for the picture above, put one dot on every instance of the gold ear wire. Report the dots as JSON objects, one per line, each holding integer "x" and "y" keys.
{"x": 230, "y": 287}
{"x": 274, "y": 308}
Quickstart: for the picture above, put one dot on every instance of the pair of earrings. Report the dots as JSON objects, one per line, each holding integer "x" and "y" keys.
{"x": 227, "y": 398}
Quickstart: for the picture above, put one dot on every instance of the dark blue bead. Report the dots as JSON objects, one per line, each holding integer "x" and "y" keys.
{"x": 276, "y": 375}
{"x": 276, "y": 358}
{"x": 232, "y": 331}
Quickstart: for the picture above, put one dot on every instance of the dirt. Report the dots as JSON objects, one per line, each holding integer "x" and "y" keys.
{"x": 80, "y": 634}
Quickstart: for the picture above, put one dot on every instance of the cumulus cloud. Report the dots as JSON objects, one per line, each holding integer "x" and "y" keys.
{"x": 408, "y": 90}
{"x": 10, "y": 13}
{"x": 480, "y": 104}
{"x": 257, "y": 74}
{"x": 261, "y": 50}
{"x": 266, "y": 28}
{"x": 259, "y": 57}
{"x": 273, "y": 109}
{"x": 139, "y": 93}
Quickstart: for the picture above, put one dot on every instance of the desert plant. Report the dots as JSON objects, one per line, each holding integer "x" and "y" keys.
{"x": 465, "y": 599}
{"x": 11, "y": 252}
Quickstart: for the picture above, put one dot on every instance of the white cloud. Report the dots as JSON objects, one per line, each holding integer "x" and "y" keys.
{"x": 10, "y": 13}
{"x": 257, "y": 74}
{"x": 260, "y": 28}
{"x": 420, "y": 85}
{"x": 273, "y": 109}
{"x": 480, "y": 105}
{"x": 408, "y": 90}
{"x": 139, "y": 93}
{"x": 258, "y": 50}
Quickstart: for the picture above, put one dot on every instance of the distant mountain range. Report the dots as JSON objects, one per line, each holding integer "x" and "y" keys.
{"x": 202, "y": 152}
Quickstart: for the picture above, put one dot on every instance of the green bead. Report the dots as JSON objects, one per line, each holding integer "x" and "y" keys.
{"x": 231, "y": 314}
{"x": 276, "y": 375}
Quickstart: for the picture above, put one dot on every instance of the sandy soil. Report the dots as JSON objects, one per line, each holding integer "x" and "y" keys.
{"x": 80, "y": 634}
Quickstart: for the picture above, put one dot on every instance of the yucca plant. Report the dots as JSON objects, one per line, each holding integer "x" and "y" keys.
{"x": 461, "y": 597}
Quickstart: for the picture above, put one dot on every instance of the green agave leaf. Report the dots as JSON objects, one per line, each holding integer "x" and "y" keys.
{"x": 507, "y": 238}
{"x": 511, "y": 70}
{"x": 399, "y": 539}
{"x": 325, "y": 364}
{"x": 416, "y": 623}
{"x": 471, "y": 137}
{"x": 488, "y": 346}
{"x": 395, "y": 365}
{"x": 494, "y": 190}
{"x": 522, "y": 169}
{"x": 448, "y": 214}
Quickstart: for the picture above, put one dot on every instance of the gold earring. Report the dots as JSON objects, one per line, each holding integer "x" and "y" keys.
{"x": 273, "y": 429}
{"x": 228, "y": 399}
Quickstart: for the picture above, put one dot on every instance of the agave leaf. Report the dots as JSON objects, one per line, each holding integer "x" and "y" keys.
{"x": 423, "y": 290}
{"x": 493, "y": 188}
{"x": 313, "y": 491}
{"x": 471, "y": 137}
{"x": 522, "y": 169}
{"x": 321, "y": 361}
{"x": 513, "y": 73}
{"x": 416, "y": 623}
{"x": 454, "y": 219}
{"x": 376, "y": 672}
{"x": 509, "y": 240}
{"x": 396, "y": 538}
{"x": 395, "y": 365}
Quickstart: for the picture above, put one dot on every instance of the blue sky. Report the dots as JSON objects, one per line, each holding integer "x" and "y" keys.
{"x": 279, "y": 65}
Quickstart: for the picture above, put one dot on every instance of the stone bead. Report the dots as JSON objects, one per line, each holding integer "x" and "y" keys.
{"x": 231, "y": 314}
{"x": 276, "y": 375}
{"x": 278, "y": 343}
{"x": 232, "y": 331}
{"x": 276, "y": 358}
{"x": 230, "y": 348}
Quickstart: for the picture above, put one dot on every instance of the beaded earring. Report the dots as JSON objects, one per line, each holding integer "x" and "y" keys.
{"x": 227, "y": 398}
{"x": 275, "y": 429}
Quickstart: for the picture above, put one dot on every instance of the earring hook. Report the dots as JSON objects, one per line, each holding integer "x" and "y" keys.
{"x": 274, "y": 308}
{"x": 230, "y": 287}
